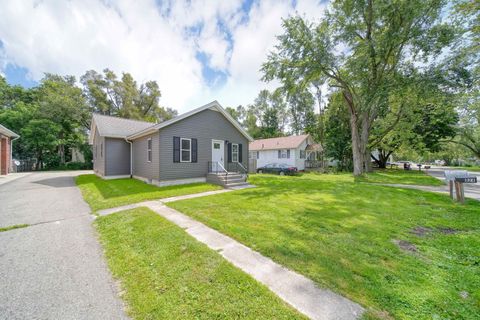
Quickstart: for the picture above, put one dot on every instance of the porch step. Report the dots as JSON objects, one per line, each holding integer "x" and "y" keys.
{"x": 227, "y": 180}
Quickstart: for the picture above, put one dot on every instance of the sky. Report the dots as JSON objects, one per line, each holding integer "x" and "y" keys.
{"x": 197, "y": 51}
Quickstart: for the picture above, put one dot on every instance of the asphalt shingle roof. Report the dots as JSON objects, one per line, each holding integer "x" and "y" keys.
{"x": 290, "y": 142}
{"x": 109, "y": 126}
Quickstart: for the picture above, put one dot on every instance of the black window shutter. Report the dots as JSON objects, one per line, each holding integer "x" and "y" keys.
{"x": 279, "y": 154}
{"x": 258, "y": 154}
{"x": 240, "y": 159}
{"x": 229, "y": 152}
{"x": 194, "y": 150}
{"x": 176, "y": 149}
{"x": 288, "y": 154}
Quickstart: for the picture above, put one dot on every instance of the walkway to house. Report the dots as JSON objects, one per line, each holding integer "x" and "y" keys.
{"x": 295, "y": 289}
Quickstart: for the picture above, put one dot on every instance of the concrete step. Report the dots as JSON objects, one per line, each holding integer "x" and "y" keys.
{"x": 236, "y": 184}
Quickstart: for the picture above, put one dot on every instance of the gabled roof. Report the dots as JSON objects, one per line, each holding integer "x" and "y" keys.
{"x": 291, "y": 142}
{"x": 114, "y": 127}
{"x": 7, "y": 132}
{"x": 214, "y": 105}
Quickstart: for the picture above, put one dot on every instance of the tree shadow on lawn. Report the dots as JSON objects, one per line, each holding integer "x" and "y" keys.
{"x": 116, "y": 188}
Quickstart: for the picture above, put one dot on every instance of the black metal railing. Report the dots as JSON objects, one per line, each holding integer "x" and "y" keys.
{"x": 236, "y": 167}
{"x": 216, "y": 167}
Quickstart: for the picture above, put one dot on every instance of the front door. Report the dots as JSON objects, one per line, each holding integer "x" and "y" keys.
{"x": 218, "y": 151}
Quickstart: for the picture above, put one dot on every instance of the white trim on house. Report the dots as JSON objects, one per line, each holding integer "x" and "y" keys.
{"x": 189, "y": 149}
{"x": 149, "y": 150}
{"x": 237, "y": 152}
{"x": 112, "y": 177}
{"x": 165, "y": 183}
{"x": 213, "y": 104}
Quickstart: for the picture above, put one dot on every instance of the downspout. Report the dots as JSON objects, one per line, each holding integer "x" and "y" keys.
{"x": 131, "y": 156}
{"x": 11, "y": 152}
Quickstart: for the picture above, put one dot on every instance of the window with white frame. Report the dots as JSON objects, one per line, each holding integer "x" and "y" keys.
{"x": 149, "y": 150}
{"x": 253, "y": 154}
{"x": 185, "y": 150}
{"x": 302, "y": 154}
{"x": 234, "y": 152}
{"x": 283, "y": 154}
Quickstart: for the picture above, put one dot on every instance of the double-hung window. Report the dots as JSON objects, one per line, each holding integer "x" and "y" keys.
{"x": 149, "y": 150}
{"x": 185, "y": 150}
{"x": 234, "y": 152}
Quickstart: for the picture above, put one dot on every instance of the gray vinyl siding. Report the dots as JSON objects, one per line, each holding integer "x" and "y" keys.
{"x": 99, "y": 157}
{"x": 204, "y": 126}
{"x": 141, "y": 167}
{"x": 117, "y": 157}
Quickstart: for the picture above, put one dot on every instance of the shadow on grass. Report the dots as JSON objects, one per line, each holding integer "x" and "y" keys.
{"x": 110, "y": 189}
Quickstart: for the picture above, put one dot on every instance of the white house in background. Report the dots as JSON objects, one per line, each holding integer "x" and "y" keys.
{"x": 299, "y": 151}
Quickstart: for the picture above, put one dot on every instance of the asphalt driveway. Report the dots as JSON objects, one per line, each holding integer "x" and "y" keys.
{"x": 53, "y": 269}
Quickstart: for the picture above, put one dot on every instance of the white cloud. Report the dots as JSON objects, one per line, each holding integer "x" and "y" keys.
{"x": 151, "y": 41}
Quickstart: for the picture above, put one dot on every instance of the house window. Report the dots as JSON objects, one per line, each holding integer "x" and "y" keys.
{"x": 185, "y": 150}
{"x": 234, "y": 152}
{"x": 283, "y": 154}
{"x": 216, "y": 145}
{"x": 302, "y": 154}
{"x": 149, "y": 150}
{"x": 253, "y": 154}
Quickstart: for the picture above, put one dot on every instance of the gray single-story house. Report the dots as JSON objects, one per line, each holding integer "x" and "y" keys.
{"x": 203, "y": 144}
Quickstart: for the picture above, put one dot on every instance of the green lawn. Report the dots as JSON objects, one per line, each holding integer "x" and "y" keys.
{"x": 167, "y": 274}
{"x": 404, "y": 254}
{"x": 102, "y": 194}
{"x": 400, "y": 176}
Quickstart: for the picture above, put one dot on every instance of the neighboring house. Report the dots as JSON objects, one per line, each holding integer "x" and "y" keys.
{"x": 185, "y": 149}
{"x": 299, "y": 151}
{"x": 6, "y": 138}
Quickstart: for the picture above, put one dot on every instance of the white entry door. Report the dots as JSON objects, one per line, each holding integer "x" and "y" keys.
{"x": 218, "y": 151}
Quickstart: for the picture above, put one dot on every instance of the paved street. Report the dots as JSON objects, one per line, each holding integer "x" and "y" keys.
{"x": 53, "y": 269}
{"x": 472, "y": 190}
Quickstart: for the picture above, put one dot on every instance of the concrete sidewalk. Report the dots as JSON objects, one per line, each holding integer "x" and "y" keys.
{"x": 295, "y": 289}
{"x": 13, "y": 176}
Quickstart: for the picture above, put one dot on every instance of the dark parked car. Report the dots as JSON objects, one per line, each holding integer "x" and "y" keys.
{"x": 278, "y": 168}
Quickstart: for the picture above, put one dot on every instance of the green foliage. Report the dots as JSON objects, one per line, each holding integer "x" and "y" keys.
{"x": 373, "y": 61}
{"x": 345, "y": 235}
{"x": 103, "y": 194}
{"x": 40, "y": 136}
{"x": 337, "y": 133}
{"x": 267, "y": 116}
{"x": 123, "y": 97}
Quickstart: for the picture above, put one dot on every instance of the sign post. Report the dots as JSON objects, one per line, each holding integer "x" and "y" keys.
{"x": 456, "y": 179}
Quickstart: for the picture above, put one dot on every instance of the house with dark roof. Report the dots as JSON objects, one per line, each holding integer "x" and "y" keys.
{"x": 6, "y": 138}
{"x": 205, "y": 144}
{"x": 298, "y": 151}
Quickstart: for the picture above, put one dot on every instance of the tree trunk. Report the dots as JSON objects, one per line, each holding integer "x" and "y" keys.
{"x": 365, "y": 129}
{"x": 61, "y": 149}
{"x": 358, "y": 168}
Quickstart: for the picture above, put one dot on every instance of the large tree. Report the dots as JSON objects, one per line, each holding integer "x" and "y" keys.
{"x": 63, "y": 103}
{"x": 107, "y": 94}
{"x": 360, "y": 48}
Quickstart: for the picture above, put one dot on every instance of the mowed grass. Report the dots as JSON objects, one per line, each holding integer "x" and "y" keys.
{"x": 167, "y": 274}
{"x": 403, "y": 254}
{"x": 102, "y": 194}
{"x": 400, "y": 176}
